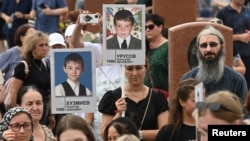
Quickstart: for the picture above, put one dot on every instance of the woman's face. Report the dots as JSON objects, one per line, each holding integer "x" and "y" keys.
{"x": 73, "y": 135}
{"x": 113, "y": 135}
{"x": 25, "y": 131}
{"x": 32, "y": 101}
{"x": 152, "y": 30}
{"x": 41, "y": 49}
{"x": 188, "y": 106}
{"x": 135, "y": 74}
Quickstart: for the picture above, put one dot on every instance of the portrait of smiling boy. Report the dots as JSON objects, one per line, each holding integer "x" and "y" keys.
{"x": 123, "y": 24}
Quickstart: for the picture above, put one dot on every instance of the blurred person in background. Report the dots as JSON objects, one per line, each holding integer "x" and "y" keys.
{"x": 10, "y": 58}
{"x": 71, "y": 18}
{"x": 15, "y": 13}
{"x": 47, "y": 14}
{"x": 72, "y": 128}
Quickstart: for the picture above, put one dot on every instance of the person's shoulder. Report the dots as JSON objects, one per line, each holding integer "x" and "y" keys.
{"x": 48, "y": 132}
{"x": 222, "y": 11}
{"x": 244, "y": 7}
{"x": 229, "y": 72}
{"x": 191, "y": 73}
{"x": 9, "y": 52}
{"x": 168, "y": 127}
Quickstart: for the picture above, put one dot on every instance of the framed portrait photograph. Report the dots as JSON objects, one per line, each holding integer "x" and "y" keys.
{"x": 73, "y": 80}
{"x": 124, "y": 34}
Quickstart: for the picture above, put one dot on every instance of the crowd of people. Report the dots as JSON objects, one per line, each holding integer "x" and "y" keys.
{"x": 140, "y": 108}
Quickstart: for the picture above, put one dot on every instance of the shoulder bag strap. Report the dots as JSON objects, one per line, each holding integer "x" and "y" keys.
{"x": 146, "y": 109}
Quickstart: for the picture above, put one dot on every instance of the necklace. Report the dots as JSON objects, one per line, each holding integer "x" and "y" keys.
{"x": 39, "y": 68}
{"x": 135, "y": 96}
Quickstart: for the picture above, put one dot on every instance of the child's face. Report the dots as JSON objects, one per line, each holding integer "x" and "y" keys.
{"x": 73, "y": 70}
{"x": 123, "y": 28}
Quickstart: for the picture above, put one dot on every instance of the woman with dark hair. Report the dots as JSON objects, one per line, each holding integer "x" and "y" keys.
{"x": 10, "y": 58}
{"x": 31, "y": 98}
{"x": 72, "y": 127}
{"x": 137, "y": 102}
{"x": 16, "y": 125}
{"x": 181, "y": 123}
{"x": 157, "y": 54}
{"x": 119, "y": 127}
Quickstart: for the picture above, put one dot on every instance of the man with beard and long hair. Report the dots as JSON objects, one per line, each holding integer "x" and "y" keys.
{"x": 211, "y": 69}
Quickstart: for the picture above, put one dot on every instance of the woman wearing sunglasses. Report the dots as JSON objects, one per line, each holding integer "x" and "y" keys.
{"x": 157, "y": 54}
{"x": 220, "y": 108}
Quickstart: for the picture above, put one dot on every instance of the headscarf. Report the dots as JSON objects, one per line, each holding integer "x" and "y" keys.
{"x": 9, "y": 115}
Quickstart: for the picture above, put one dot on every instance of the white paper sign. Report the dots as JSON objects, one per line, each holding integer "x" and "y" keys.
{"x": 124, "y": 41}
{"x": 198, "y": 92}
{"x": 73, "y": 88}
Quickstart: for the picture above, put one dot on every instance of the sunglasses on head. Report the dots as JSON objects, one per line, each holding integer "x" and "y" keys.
{"x": 150, "y": 27}
{"x": 212, "y": 106}
{"x": 211, "y": 44}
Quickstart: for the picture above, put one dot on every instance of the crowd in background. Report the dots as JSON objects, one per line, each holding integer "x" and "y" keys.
{"x": 150, "y": 114}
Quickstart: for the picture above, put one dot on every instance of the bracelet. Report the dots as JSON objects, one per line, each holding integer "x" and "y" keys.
{"x": 140, "y": 135}
{"x": 23, "y": 16}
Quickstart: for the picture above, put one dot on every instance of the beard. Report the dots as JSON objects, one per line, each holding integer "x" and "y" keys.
{"x": 210, "y": 69}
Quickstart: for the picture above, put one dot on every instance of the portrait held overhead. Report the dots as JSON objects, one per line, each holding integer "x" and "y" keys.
{"x": 122, "y": 39}
{"x": 123, "y": 33}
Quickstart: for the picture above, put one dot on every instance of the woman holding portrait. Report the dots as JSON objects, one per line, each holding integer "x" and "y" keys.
{"x": 143, "y": 105}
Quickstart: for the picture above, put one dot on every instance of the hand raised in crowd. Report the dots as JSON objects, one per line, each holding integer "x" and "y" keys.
{"x": 78, "y": 19}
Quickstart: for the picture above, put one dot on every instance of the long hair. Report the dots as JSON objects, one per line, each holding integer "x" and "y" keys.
{"x": 176, "y": 111}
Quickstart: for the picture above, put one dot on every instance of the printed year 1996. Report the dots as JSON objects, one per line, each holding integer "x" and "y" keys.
{"x": 110, "y": 61}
